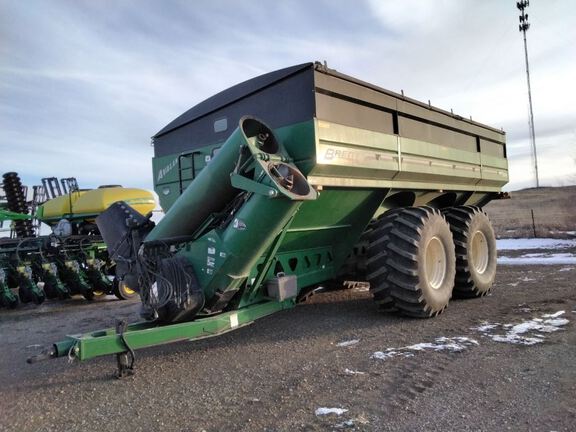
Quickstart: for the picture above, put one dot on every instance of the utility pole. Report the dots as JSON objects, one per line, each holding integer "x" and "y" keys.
{"x": 523, "y": 27}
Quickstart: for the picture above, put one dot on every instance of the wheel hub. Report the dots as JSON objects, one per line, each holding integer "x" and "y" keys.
{"x": 479, "y": 249}
{"x": 435, "y": 262}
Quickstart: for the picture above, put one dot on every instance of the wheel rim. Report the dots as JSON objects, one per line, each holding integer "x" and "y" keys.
{"x": 480, "y": 252}
{"x": 126, "y": 290}
{"x": 435, "y": 262}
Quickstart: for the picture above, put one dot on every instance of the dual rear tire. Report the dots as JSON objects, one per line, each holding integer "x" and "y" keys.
{"x": 475, "y": 244}
{"x": 419, "y": 257}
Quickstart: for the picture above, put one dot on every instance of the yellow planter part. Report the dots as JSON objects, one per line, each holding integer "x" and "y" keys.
{"x": 59, "y": 206}
{"x": 89, "y": 204}
{"x": 98, "y": 200}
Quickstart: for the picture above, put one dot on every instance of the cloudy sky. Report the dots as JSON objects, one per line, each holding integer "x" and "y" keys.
{"x": 85, "y": 84}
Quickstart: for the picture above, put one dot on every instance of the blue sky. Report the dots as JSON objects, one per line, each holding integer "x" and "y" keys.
{"x": 85, "y": 84}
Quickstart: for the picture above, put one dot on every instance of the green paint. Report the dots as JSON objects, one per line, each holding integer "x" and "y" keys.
{"x": 6, "y": 215}
{"x": 298, "y": 140}
{"x": 142, "y": 335}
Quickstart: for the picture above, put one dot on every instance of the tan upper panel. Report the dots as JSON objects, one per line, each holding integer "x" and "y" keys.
{"x": 350, "y": 114}
{"x": 446, "y": 119}
{"x": 353, "y": 90}
{"x": 491, "y": 148}
{"x": 364, "y": 94}
{"x": 417, "y": 130}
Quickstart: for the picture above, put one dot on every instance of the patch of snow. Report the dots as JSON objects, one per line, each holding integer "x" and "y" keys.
{"x": 528, "y": 332}
{"x": 558, "y": 322}
{"x": 515, "y": 339}
{"x": 353, "y": 372}
{"x": 457, "y": 343}
{"x": 452, "y": 344}
{"x": 526, "y": 279}
{"x": 389, "y": 353}
{"x": 538, "y": 243}
{"x": 485, "y": 326}
{"x": 326, "y": 411}
{"x": 348, "y": 343}
{"x": 563, "y": 269}
{"x": 554, "y": 259}
{"x": 514, "y": 284}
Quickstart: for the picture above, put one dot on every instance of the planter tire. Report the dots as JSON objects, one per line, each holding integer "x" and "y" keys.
{"x": 122, "y": 291}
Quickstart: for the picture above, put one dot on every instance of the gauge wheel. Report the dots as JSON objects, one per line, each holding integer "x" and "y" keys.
{"x": 99, "y": 295}
{"x": 122, "y": 291}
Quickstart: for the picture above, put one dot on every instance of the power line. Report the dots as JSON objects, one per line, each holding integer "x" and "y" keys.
{"x": 523, "y": 27}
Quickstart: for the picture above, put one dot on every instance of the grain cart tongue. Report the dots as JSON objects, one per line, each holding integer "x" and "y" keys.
{"x": 200, "y": 254}
{"x": 340, "y": 179}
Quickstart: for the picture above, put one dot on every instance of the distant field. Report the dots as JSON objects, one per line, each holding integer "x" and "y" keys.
{"x": 554, "y": 210}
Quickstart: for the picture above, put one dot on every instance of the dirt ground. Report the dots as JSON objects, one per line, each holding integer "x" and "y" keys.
{"x": 275, "y": 374}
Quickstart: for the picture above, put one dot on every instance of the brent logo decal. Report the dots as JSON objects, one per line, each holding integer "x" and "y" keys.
{"x": 332, "y": 153}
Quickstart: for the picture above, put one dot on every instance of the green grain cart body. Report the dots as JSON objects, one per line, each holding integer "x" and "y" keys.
{"x": 364, "y": 148}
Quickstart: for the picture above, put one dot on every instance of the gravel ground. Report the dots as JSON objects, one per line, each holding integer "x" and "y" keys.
{"x": 275, "y": 374}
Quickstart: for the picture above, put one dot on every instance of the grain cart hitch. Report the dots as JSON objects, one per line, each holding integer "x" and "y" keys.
{"x": 120, "y": 340}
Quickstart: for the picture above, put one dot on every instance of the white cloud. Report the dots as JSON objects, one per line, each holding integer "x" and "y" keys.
{"x": 88, "y": 83}
{"x": 413, "y": 17}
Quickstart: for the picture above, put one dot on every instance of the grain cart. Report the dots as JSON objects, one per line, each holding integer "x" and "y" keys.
{"x": 272, "y": 185}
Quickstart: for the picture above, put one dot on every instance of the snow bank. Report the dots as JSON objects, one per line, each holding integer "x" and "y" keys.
{"x": 551, "y": 259}
{"x": 538, "y": 243}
